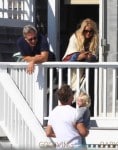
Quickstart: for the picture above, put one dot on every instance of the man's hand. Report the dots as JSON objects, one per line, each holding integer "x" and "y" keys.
{"x": 49, "y": 131}
{"x": 30, "y": 67}
{"x": 32, "y": 60}
{"x": 83, "y": 131}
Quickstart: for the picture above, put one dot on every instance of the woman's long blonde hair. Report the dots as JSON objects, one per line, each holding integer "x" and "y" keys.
{"x": 80, "y": 37}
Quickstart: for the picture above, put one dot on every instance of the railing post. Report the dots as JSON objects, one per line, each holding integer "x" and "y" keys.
{"x": 53, "y": 28}
{"x": 2, "y": 134}
{"x": 40, "y": 93}
{"x": 1, "y": 7}
{"x": 2, "y": 69}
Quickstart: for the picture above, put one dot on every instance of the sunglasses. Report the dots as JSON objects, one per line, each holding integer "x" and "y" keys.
{"x": 88, "y": 31}
{"x": 31, "y": 39}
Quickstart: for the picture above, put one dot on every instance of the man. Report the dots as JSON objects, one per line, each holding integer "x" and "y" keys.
{"x": 34, "y": 47}
{"x": 63, "y": 123}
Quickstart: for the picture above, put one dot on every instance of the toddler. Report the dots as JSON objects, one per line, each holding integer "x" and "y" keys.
{"x": 83, "y": 104}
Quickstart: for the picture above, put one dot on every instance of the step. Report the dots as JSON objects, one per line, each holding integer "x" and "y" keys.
{"x": 5, "y": 143}
{"x": 103, "y": 137}
{"x": 10, "y": 31}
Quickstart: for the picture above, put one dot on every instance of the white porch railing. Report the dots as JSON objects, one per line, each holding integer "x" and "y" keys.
{"x": 17, "y": 119}
{"x": 28, "y": 85}
{"x": 105, "y": 81}
{"x": 38, "y": 89}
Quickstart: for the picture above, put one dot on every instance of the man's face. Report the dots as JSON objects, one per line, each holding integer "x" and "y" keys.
{"x": 31, "y": 38}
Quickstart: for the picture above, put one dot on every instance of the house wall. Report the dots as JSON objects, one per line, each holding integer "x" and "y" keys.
{"x": 111, "y": 48}
{"x": 110, "y": 30}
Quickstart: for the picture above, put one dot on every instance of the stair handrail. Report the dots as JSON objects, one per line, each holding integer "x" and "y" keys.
{"x": 28, "y": 118}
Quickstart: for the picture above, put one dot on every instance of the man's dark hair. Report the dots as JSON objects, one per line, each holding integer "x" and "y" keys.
{"x": 64, "y": 93}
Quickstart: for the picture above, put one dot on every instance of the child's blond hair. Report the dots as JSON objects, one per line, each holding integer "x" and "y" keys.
{"x": 85, "y": 97}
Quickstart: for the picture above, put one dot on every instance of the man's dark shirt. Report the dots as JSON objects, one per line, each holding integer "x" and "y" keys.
{"x": 26, "y": 50}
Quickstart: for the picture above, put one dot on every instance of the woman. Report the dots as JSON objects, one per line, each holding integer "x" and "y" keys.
{"x": 83, "y": 46}
{"x": 84, "y": 41}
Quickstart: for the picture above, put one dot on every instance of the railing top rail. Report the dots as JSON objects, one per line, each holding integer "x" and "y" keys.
{"x": 63, "y": 64}
{"x": 13, "y": 64}
{"x": 81, "y": 64}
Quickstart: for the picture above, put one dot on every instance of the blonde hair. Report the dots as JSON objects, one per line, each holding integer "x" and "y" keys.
{"x": 85, "y": 97}
{"x": 80, "y": 37}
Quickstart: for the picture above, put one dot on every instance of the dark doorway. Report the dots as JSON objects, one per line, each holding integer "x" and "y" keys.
{"x": 70, "y": 17}
{"x": 41, "y": 16}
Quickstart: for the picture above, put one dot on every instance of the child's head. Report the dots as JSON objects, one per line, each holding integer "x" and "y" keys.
{"x": 65, "y": 94}
{"x": 83, "y": 99}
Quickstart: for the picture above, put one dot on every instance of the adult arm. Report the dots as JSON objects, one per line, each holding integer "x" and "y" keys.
{"x": 32, "y": 60}
{"x": 39, "y": 58}
{"x": 83, "y": 131}
{"x": 49, "y": 131}
{"x": 86, "y": 56}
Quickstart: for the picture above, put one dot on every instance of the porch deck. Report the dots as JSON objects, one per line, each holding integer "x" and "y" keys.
{"x": 23, "y": 94}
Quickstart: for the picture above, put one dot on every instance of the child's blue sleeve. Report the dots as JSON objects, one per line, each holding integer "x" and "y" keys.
{"x": 74, "y": 57}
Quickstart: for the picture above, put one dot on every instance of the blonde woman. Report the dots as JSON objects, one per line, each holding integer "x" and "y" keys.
{"x": 83, "y": 46}
{"x": 84, "y": 41}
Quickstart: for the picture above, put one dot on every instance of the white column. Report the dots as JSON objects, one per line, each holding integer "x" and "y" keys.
{"x": 6, "y": 8}
{"x": 31, "y": 10}
{"x": 22, "y": 6}
{"x": 101, "y": 26}
{"x": 53, "y": 25}
{"x": 26, "y": 8}
{"x": 1, "y": 7}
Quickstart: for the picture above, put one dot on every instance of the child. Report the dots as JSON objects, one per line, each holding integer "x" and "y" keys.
{"x": 83, "y": 103}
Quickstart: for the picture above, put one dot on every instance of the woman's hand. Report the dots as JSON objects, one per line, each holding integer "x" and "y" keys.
{"x": 83, "y": 55}
{"x": 89, "y": 56}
